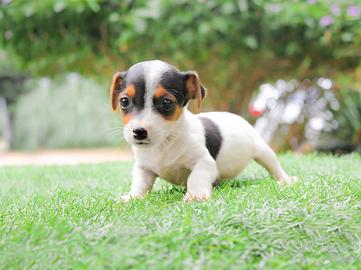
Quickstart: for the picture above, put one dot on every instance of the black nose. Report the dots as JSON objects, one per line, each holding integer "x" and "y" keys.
{"x": 140, "y": 133}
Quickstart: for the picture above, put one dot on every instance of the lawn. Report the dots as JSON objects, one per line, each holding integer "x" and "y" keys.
{"x": 65, "y": 217}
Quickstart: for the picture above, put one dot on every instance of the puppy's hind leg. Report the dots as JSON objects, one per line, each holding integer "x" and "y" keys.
{"x": 265, "y": 156}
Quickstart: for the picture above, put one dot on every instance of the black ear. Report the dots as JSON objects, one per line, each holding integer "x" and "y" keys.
{"x": 194, "y": 88}
{"x": 115, "y": 89}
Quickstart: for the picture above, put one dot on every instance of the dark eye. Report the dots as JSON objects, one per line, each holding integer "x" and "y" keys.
{"x": 167, "y": 104}
{"x": 124, "y": 102}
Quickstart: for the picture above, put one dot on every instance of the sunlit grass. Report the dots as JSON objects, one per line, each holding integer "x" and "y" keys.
{"x": 65, "y": 217}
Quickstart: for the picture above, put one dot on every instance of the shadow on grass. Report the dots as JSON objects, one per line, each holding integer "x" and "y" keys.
{"x": 172, "y": 193}
{"x": 239, "y": 183}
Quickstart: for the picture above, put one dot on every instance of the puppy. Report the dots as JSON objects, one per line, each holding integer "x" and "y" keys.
{"x": 170, "y": 142}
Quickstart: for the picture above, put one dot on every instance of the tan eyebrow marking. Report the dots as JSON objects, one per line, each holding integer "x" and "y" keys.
{"x": 160, "y": 91}
{"x": 130, "y": 90}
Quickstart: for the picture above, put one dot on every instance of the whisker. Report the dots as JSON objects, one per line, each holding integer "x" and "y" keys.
{"x": 114, "y": 134}
{"x": 113, "y": 128}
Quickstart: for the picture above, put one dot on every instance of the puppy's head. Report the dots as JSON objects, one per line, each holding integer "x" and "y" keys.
{"x": 151, "y": 96}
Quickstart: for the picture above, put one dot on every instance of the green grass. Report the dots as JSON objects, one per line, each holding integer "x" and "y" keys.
{"x": 65, "y": 217}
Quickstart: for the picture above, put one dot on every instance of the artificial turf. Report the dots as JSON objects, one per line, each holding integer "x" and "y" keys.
{"x": 66, "y": 217}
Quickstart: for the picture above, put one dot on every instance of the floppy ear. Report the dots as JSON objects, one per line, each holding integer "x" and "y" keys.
{"x": 195, "y": 90}
{"x": 115, "y": 89}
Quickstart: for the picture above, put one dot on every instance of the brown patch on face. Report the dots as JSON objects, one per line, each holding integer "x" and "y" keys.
{"x": 129, "y": 91}
{"x": 174, "y": 116}
{"x": 160, "y": 94}
{"x": 126, "y": 117}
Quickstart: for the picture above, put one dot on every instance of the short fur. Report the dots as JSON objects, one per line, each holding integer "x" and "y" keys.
{"x": 180, "y": 147}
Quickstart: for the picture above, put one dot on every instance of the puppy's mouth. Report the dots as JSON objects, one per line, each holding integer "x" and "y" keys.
{"x": 142, "y": 143}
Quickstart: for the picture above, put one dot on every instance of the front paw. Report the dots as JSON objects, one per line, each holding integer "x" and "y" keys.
{"x": 197, "y": 196}
{"x": 127, "y": 198}
{"x": 289, "y": 180}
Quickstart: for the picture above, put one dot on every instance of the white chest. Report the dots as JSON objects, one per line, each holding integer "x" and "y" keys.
{"x": 170, "y": 166}
{"x": 175, "y": 175}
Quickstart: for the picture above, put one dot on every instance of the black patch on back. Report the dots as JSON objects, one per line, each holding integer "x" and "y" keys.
{"x": 174, "y": 82}
{"x": 135, "y": 75}
{"x": 213, "y": 136}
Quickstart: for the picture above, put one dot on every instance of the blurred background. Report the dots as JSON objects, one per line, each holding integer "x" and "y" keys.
{"x": 292, "y": 68}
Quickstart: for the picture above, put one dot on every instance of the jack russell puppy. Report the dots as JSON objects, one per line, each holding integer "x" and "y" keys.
{"x": 170, "y": 142}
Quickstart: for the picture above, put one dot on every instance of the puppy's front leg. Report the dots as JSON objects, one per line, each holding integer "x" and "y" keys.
{"x": 142, "y": 182}
{"x": 199, "y": 183}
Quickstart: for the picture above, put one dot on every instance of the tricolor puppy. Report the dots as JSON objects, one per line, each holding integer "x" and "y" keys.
{"x": 171, "y": 142}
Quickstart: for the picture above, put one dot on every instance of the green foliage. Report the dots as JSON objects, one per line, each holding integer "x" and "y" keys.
{"x": 349, "y": 118}
{"x": 68, "y": 112}
{"x": 1, "y": 134}
{"x": 11, "y": 84}
{"x": 233, "y": 44}
{"x": 66, "y": 217}
{"x": 138, "y": 29}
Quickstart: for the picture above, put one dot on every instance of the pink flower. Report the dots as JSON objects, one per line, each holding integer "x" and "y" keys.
{"x": 274, "y": 8}
{"x": 326, "y": 20}
{"x": 8, "y": 34}
{"x": 335, "y": 10}
{"x": 353, "y": 11}
{"x": 311, "y": 2}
